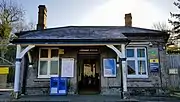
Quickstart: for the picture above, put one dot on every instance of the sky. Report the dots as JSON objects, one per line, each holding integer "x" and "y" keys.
{"x": 100, "y": 12}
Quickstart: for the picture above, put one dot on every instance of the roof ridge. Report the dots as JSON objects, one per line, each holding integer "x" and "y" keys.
{"x": 89, "y": 26}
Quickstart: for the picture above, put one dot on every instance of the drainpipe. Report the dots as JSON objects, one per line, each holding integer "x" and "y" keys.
{"x": 160, "y": 69}
{"x": 25, "y": 72}
{"x": 122, "y": 89}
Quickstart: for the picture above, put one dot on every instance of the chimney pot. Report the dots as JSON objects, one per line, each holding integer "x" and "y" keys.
{"x": 128, "y": 20}
{"x": 42, "y": 16}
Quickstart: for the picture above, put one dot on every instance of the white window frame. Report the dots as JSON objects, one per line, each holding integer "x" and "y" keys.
{"x": 136, "y": 59}
{"x": 49, "y": 59}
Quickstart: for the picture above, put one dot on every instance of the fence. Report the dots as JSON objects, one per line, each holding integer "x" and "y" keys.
{"x": 173, "y": 67}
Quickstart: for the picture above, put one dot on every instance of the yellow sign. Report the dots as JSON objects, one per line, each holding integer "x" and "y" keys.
{"x": 154, "y": 60}
{"x": 61, "y": 51}
{"x": 4, "y": 70}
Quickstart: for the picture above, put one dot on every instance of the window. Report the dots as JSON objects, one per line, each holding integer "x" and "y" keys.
{"x": 48, "y": 62}
{"x": 136, "y": 62}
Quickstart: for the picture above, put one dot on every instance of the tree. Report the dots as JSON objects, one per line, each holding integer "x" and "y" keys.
{"x": 10, "y": 14}
{"x": 165, "y": 28}
{"x": 23, "y": 26}
{"x": 162, "y": 26}
{"x": 11, "y": 21}
{"x": 176, "y": 18}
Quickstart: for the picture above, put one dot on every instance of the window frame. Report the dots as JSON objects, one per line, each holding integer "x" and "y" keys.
{"x": 136, "y": 59}
{"x": 48, "y": 59}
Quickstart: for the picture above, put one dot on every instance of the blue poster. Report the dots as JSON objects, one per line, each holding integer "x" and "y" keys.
{"x": 154, "y": 67}
{"x": 109, "y": 66}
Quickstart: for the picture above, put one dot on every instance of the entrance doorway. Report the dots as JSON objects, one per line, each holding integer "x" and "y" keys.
{"x": 88, "y": 74}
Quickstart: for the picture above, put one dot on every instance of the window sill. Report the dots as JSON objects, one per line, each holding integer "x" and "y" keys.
{"x": 137, "y": 76}
{"x": 42, "y": 80}
{"x": 138, "y": 80}
{"x": 46, "y": 76}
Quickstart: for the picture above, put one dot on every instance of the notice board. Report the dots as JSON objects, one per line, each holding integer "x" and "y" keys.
{"x": 67, "y": 67}
{"x": 109, "y": 66}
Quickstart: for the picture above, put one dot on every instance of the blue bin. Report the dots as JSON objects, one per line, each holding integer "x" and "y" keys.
{"x": 58, "y": 86}
{"x": 62, "y": 88}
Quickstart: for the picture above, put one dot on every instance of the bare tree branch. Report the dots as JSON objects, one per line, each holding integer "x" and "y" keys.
{"x": 23, "y": 26}
{"x": 10, "y": 12}
{"x": 161, "y": 26}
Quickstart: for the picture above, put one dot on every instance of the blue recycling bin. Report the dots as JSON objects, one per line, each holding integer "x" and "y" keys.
{"x": 62, "y": 88}
{"x": 58, "y": 86}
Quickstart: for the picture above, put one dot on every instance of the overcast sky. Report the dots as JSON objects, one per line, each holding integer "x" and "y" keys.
{"x": 100, "y": 12}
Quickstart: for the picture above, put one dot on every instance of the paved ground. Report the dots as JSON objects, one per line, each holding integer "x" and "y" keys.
{"x": 156, "y": 99}
{"x": 87, "y": 98}
{"x": 69, "y": 98}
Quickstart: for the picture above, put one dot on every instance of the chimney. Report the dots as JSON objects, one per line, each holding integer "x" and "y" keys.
{"x": 42, "y": 16}
{"x": 128, "y": 20}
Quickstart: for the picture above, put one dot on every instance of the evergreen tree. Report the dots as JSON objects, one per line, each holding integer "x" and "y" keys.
{"x": 175, "y": 21}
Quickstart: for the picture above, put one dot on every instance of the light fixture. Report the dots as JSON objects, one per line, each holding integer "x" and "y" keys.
{"x": 150, "y": 44}
{"x": 30, "y": 66}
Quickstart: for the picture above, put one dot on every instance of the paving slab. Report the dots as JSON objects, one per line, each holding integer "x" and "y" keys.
{"x": 68, "y": 98}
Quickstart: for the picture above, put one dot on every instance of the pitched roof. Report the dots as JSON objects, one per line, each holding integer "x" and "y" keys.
{"x": 84, "y": 33}
{"x": 73, "y": 33}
